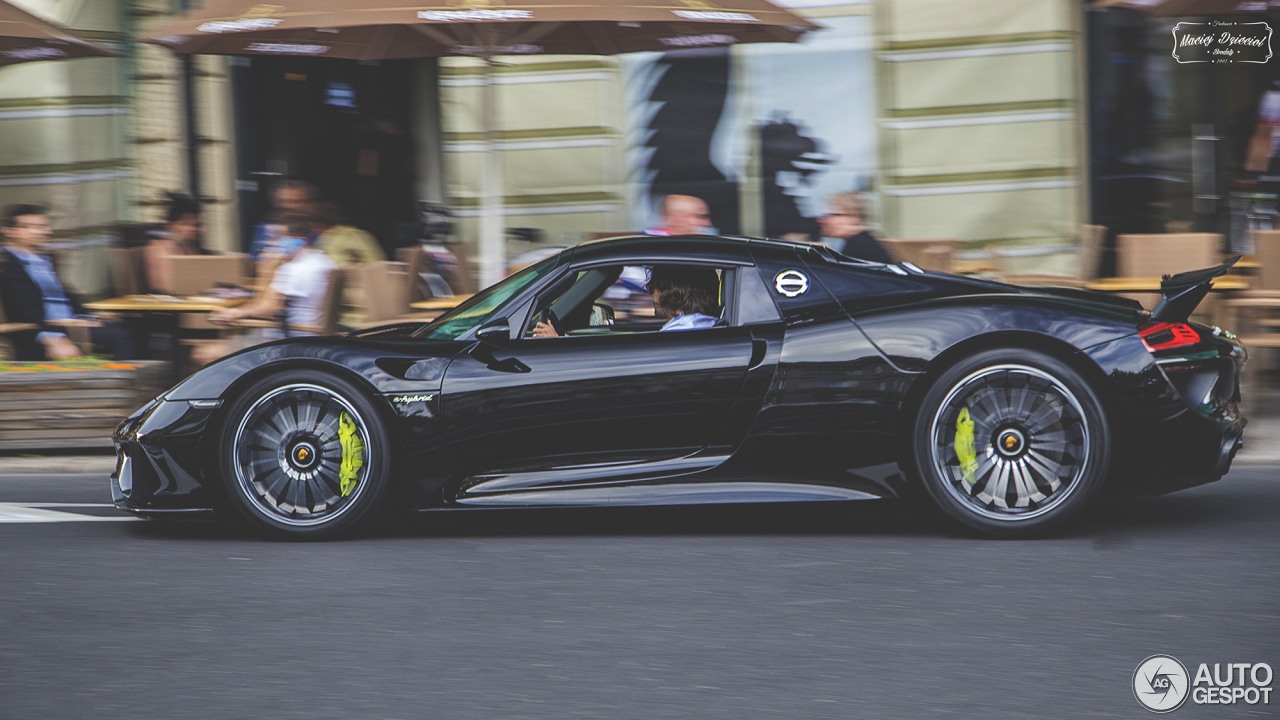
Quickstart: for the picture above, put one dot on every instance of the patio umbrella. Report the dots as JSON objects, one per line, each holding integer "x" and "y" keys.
{"x": 25, "y": 37}
{"x": 1189, "y": 8}
{"x": 394, "y": 29}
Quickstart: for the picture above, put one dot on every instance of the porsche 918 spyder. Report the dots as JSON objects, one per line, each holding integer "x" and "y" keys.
{"x": 817, "y": 378}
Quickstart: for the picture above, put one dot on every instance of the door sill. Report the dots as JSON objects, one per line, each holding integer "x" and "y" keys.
{"x": 595, "y": 474}
{"x": 668, "y": 494}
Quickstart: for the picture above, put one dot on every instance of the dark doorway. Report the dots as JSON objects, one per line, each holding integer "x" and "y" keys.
{"x": 343, "y": 126}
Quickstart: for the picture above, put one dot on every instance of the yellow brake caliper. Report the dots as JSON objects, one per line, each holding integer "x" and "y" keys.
{"x": 964, "y": 446}
{"x": 352, "y": 454}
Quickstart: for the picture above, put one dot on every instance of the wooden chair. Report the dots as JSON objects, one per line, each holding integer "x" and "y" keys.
{"x": 1158, "y": 254}
{"x": 386, "y": 295}
{"x": 1255, "y": 314}
{"x": 7, "y": 329}
{"x": 1166, "y": 254}
{"x": 330, "y": 311}
{"x": 1092, "y": 240}
{"x": 128, "y": 270}
{"x": 935, "y": 255}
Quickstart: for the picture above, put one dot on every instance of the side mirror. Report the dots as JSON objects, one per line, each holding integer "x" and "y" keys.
{"x": 601, "y": 314}
{"x": 494, "y": 332}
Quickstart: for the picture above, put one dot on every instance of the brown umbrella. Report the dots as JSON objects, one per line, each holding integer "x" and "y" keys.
{"x": 25, "y": 37}
{"x": 391, "y": 29}
{"x": 1189, "y": 8}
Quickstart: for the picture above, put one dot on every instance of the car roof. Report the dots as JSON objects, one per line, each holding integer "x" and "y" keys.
{"x": 676, "y": 248}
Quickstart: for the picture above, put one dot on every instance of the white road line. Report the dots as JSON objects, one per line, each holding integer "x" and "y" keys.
{"x": 53, "y": 512}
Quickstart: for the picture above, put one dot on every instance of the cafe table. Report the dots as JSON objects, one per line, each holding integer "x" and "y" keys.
{"x": 440, "y": 303}
{"x": 166, "y": 309}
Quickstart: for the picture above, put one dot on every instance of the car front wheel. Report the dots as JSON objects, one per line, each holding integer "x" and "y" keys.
{"x": 305, "y": 455}
{"x": 1011, "y": 442}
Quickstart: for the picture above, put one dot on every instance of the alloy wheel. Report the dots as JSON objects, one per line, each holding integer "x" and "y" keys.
{"x": 299, "y": 455}
{"x": 1011, "y": 442}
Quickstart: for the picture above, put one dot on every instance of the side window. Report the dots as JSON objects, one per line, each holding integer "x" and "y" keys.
{"x": 630, "y": 299}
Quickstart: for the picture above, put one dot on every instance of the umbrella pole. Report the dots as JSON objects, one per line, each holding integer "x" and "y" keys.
{"x": 492, "y": 244}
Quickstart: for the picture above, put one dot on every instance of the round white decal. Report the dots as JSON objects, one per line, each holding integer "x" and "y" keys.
{"x": 1161, "y": 683}
{"x": 791, "y": 283}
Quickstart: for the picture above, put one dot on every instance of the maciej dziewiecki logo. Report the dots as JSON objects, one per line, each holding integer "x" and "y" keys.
{"x": 1222, "y": 42}
{"x": 1160, "y": 683}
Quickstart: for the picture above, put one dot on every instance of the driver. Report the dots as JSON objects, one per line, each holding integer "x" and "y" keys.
{"x": 688, "y": 296}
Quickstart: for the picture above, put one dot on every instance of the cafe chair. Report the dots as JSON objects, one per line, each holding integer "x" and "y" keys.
{"x": 330, "y": 311}
{"x": 1256, "y": 312}
{"x": 8, "y": 330}
{"x": 386, "y": 293}
{"x": 128, "y": 270}
{"x": 935, "y": 255}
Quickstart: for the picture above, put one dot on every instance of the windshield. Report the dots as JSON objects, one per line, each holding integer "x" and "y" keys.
{"x": 483, "y": 305}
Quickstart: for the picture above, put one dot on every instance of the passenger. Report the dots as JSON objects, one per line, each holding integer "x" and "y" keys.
{"x": 687, "y": 295}
{"x": 181, "y": 236}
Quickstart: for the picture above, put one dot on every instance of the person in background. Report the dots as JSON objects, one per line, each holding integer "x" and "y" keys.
{"x": 682, "y": 215}
{"x": 31, "y": 293}
{"x": 289, "y": 197}
{"x": 181, "y": 236}
{"x": 297, "y": 289}
{"x": 343, "y": 243}
{"x": 842, "y": 225}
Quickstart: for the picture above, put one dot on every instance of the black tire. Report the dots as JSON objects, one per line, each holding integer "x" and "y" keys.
{"x": 1011, "y": 442}
{"x": 305, "y": 455}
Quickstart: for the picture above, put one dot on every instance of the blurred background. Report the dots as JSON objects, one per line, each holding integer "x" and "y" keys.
{"x": 1053, "y": 141}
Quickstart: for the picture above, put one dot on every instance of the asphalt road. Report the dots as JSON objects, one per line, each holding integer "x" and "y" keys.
{"x": 866, "y": 610}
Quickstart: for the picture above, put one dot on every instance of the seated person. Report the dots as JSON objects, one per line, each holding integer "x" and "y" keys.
{"x": 181, "y": 236}
{"x": 298, "y": 287}
{"x": 688, "y": 297}
{"x": 32, "y": 293}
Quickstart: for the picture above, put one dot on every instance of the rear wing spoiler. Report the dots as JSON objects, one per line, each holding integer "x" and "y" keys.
{"x": 1181, "y": 293}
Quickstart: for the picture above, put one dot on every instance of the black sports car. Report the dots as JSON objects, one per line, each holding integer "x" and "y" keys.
{"x": 817, "y": 377}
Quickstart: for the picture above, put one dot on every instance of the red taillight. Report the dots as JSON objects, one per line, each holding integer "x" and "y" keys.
{"x": 1165, "y": 336}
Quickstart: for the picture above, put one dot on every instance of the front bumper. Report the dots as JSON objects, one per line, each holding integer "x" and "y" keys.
{"x": 164, "y": 465}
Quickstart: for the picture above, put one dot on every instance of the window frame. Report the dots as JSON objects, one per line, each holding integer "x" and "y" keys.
{"x": 729, "y": 280}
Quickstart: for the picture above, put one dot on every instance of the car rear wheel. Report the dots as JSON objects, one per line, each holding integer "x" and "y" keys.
{"x": 305, "y": 456}
{"x": 1011, "y": 442}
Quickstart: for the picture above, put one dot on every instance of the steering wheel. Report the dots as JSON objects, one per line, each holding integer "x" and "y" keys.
{"x": 549, "y": 316}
